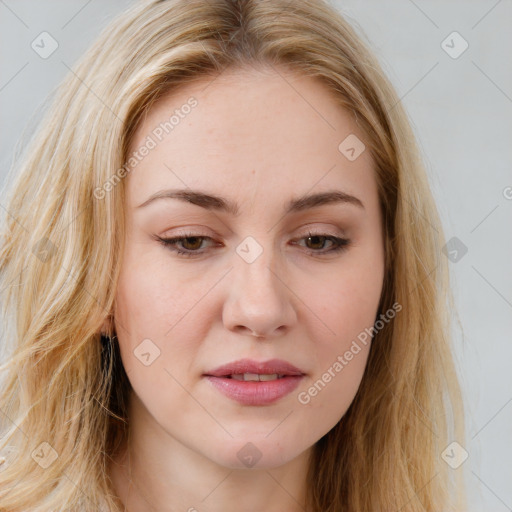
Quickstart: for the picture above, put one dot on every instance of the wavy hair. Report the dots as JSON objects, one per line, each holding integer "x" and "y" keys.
{"x": 65, "y": 391}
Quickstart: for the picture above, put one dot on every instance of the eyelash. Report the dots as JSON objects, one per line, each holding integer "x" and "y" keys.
{"x": 339, "y": 244}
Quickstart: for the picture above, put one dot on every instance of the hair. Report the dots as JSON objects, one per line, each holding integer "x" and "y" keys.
{"x": 64, "y": 383}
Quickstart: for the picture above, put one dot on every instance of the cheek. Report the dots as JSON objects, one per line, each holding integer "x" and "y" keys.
{"x": 153, "y": 298}
{"x": 152, "y": 318}
{"x": 347, "y": 302}
{"x": 347, "y": 305}
{"x": 156, "y": 302}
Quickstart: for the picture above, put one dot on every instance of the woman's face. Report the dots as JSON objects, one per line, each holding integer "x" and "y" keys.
{"x": 242, "y": 350}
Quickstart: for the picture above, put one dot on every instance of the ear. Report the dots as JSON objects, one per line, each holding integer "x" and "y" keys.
{"x": 107, "y": 327}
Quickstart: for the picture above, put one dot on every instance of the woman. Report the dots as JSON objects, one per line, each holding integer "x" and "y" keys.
{"x": 233, "y": 296}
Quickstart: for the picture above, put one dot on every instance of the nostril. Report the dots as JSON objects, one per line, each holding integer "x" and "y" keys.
{"x": 243, "y": 328}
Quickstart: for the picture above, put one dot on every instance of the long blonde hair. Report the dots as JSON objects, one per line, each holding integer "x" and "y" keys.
{"x": 63, "y": 404}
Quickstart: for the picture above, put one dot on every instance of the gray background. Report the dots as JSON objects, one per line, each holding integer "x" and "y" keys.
{"x": 461, "y": 110}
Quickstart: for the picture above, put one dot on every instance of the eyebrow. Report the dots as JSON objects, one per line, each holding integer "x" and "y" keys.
{"x": 217, "y": 203}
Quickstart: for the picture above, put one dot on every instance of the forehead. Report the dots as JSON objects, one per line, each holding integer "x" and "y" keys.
{"x": 265, "y": 130}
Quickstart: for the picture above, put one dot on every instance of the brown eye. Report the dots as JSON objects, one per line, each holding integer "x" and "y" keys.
{"x": 192, "y": 243}
{"x": 186, "y": 245}
{"x": 316, "y": 241}
{"x": 316, "y": 244}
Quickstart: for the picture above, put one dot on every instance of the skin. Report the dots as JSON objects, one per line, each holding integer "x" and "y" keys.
{"x": 258, "y": 138}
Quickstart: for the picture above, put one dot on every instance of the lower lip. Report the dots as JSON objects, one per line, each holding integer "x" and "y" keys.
{"x": 255, "y": 393}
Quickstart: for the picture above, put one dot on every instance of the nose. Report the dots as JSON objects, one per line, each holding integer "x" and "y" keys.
{"x": 259, "y": 302}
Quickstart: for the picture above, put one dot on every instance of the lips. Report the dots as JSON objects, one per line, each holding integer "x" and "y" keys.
{"x": 250, "y": 382}
{"x": 248, "y": 366}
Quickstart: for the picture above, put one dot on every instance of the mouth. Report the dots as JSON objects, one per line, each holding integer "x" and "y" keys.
{"x": 248, "y": 369}
{"x": 250, "y": 382}
{"x": 255, "y": 377}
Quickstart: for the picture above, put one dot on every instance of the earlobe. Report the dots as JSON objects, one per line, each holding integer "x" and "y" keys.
{"x": 107, "y": 326}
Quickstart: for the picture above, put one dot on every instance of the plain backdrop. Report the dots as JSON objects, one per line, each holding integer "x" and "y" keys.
{"x": 459, "y": 101}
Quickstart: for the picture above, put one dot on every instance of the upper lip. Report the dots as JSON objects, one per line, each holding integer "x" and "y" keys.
{"x": 270, "y": 367}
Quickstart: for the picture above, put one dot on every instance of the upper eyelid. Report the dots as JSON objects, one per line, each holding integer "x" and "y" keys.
{"x": 305, "y": 228}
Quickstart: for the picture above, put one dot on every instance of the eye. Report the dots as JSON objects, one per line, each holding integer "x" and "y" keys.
{"x": 315, "y": 242}
{"x": 185, "y": 245}
{"x": 190, "y": 245}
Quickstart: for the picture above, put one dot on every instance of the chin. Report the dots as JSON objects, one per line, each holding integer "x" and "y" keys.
{"x": 255, "y": 452}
